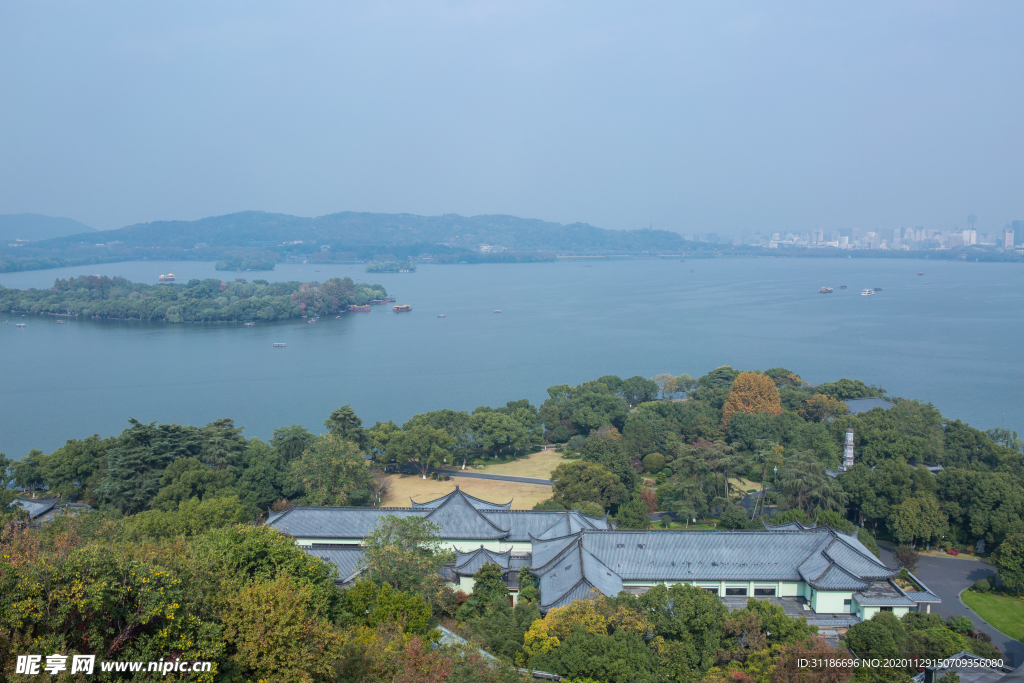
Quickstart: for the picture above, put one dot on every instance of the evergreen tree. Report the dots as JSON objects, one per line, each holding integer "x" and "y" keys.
{"x": 136, "y": 463}
{"x": 345, "y": 423}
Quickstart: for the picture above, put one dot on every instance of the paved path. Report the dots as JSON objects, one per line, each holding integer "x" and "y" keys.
{"x": 946, "y": 577}
{"x": 469, "y": 474}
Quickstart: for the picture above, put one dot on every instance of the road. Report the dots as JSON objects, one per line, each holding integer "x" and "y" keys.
{"x": 946, "y": 577}
{"x": 479, "y": 475}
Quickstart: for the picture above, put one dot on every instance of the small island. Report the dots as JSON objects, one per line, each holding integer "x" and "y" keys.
{"x": 210, "y": 300}
{"x": 390, "y": 267}
{"x": 245, "y": 264}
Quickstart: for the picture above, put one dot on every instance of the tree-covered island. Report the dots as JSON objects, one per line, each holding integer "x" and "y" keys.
{"x": 390, "y": 267}
{"x": 209, "y": 300}
{"x": 245, "y": 264}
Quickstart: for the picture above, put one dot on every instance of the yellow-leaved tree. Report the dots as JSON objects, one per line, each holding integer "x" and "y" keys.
{"x": 752, "y": 393}
{"x": 594, "y": 615}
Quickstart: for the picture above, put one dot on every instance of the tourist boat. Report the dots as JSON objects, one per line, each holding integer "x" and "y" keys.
{"x": 825, "y": 290}
{"x": 353, "y": 307}
{"x": 867, "y": 292}
{"x": 498, "y": 311}
{"x": 842, "y": 286}
{"x": 441, "y": 315}
{"x": 167, "y": 278}
{"x": 278, "y": 345}
{"x": 404, "y": 308}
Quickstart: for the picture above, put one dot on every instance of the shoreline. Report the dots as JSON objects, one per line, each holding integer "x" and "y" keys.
{"x": 933, "y": 256}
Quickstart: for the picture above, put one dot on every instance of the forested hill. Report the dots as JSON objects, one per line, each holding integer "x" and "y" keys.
{"x": 33, "y": 226}
{"x": 341, "y": 237}
{"x": 353, "y": 230}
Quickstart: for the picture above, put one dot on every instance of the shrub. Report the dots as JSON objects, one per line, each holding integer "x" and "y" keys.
{"x": 983, "y": 648}
{"x": 961, "y": 624}
{"x": 654, "y": 462}
{"x": 981, "y": 586}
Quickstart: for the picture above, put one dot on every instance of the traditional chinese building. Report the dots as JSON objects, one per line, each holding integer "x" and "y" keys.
{"x": 817, "y": 572}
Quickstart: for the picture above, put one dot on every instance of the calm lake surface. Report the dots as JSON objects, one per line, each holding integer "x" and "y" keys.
{"x": 952, "y": 337}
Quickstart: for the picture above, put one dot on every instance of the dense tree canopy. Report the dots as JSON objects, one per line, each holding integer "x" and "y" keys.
{"x": 196, "y": 301}
{"x": 184, "y": 490}
{"x": 579, "y": 482}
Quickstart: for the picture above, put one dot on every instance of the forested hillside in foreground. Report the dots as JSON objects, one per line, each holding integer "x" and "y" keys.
{"x": 208, "y": 300}
{"x": 171, "y": 564}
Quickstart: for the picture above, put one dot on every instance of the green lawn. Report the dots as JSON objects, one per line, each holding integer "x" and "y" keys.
{"x": 1005, "y": 613}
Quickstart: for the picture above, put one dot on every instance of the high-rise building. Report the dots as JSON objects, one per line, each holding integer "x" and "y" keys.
{"x": 1008, "y": 238}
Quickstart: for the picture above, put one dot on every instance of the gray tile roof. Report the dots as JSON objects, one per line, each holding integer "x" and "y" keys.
{"x": 520, "y": 560}
{"x": 345, "y": 559}
{"x": 924, "y": 595}
{"x": 467, "y": 564}
{"x": 458, "y": 514}
{"x": 545, "y": 550}
{"x": 883, "y": 594}
{"x": 575, "y": 574}
{"x": 344, "y": 522}
{"x": 837, "y": 579}
{"x": 571, "y": 522}
{"x": 819, "y": 556}
{"x": 478, "y": 503}
{"x": 36, "y": 507}
{"x": 525, "y": 525}
{"x": 460, "y": 520}
{"x": 789, "y": 526}
{"x": 861, "y": 564}
{"x": 708, "y": 555}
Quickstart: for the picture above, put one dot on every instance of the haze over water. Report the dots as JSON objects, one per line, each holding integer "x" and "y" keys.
{"x": 948, "y": 337}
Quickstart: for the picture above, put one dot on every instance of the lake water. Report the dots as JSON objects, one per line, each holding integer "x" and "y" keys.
{"x": 952, "y": 337}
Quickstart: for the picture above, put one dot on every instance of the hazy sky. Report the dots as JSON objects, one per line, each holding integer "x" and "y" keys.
{"x": 696, "y": 117}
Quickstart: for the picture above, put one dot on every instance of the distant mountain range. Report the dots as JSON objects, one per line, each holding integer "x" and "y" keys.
{"x": 347, "y": 236}
{"x": 349, "y": 230}
{"x": 34, "y": 226}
